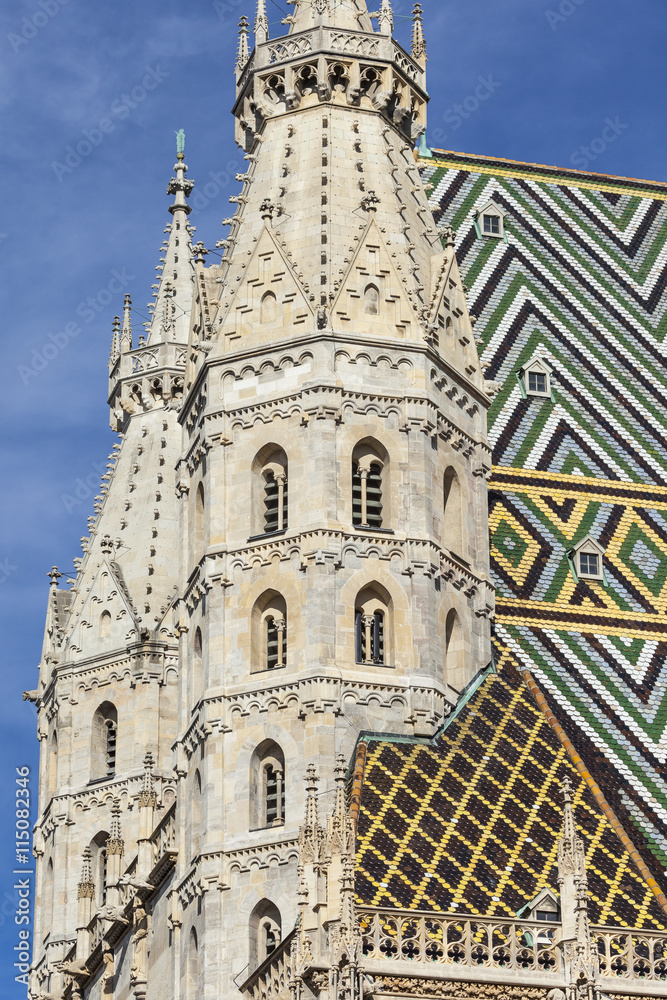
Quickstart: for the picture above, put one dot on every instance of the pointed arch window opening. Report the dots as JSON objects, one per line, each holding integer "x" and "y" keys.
{"x": 367, "y": 496}
{"x": 103, "y": 874}
{"x": 372, "y": 300}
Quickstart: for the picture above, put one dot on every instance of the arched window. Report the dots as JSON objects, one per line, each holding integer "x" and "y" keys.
{"x": 200, "y": 507}
{"x": 269, "y": 632}
{"x": 371, "y": 621}
{"x": 197, "y": 648}
{"x": 455, "y": 671}
{"x": 372, "y": 300}
{"x": 453, "y": 513}
{"x": 269, "y": 308}
{"x": 47, "y": 899}
{"x": 368, "y": 474}
{"x": 105, "y": 624}
{"x": 195, "y": 816}
{"x": 192, "y": 971}
{"x": 98, "y": 848}
{"x": 265, "y": 932}
{"x": 272, "y": 501}
{"x": 267, "y": 785}
{"x": 53, "y": 763}
{"x": 104, "y": 742}
{"x": 449, "y": 327}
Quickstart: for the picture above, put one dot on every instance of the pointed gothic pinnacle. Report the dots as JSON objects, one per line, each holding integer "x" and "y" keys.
{"x": 86, "y": 887}
{"x": 386, "y": 18}
{"x": 114, "y": 829}
{"x": 261, "y": 23}
{"x": 243, "y": 52}
{"x": 418, "y": 41}
{"x": 340, "y": 771}
{"x": 312, "y": 779}
{"x": 126, "y": 333}
{"x": 569, "y": 829}
{"x": 115, "y": 342}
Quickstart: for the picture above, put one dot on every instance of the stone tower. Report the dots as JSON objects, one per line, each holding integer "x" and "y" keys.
{"x": 322, "y": 553}
{"x": 108, "y": 677}
{"x": 334, "y": 517}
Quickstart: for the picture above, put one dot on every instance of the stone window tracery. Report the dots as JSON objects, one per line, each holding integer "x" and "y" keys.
{"x": 270, "y": 647}
{"x": 372, "y": 627}
{"x": 368, "y": 473}
{"x": 267, "y": 786}
{"x": 104, "y": 742}
{"x": 265, "y": 932}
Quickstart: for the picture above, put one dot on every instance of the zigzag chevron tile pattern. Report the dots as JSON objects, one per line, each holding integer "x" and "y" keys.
{"x": 580, "y": 279}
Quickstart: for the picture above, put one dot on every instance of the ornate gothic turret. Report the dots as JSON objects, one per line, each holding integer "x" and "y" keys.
{"x": 333, "y": 473}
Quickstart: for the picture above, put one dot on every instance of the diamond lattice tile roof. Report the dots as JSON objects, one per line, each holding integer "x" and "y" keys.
{"x": 470, "y": 822}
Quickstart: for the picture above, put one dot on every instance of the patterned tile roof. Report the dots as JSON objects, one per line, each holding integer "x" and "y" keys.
{"x": 470, "y": 822}
{"x": 582, "y": 280}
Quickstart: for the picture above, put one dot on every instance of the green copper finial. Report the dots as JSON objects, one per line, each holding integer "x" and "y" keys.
{"x": 180, "y": 142}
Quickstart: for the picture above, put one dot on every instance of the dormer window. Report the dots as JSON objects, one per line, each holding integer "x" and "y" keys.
{"x": 490, "y": 221}
{"x": 536, "y": 377}
{"x": 587, "y": 558}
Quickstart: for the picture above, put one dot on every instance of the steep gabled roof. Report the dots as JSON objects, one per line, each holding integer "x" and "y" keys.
{"x": 470, "y": 821}
{"x": 583, "y": 279}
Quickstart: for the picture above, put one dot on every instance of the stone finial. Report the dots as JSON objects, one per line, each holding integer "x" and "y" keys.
{"x": 107, "y": 545}
{"x": 86, "y": 889}
{"x": 115, "y": 843}
{"x": 148, "y": 796}
{"x": 450, "y": 237}
{"x": 261, "y": 23}
{"x": 267, "y": 209}
{"x": 200, "y": 252}
{"x": 418, "y": 40}
{"x": 370, "y": 202}
{"x": 54, "y": 576}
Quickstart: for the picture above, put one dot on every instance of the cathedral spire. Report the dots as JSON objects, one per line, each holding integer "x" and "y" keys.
{"x": 418, "y": 40}
{"x": 261, "y": 23}
{"x": 170, "y": 319}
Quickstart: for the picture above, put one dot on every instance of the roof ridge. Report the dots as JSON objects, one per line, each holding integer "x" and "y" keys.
{"x": 578, "y": 175}
{"x": 594, "y": 788}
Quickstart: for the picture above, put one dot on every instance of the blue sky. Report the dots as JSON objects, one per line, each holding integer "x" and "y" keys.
{"x": 74, "y": 236}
